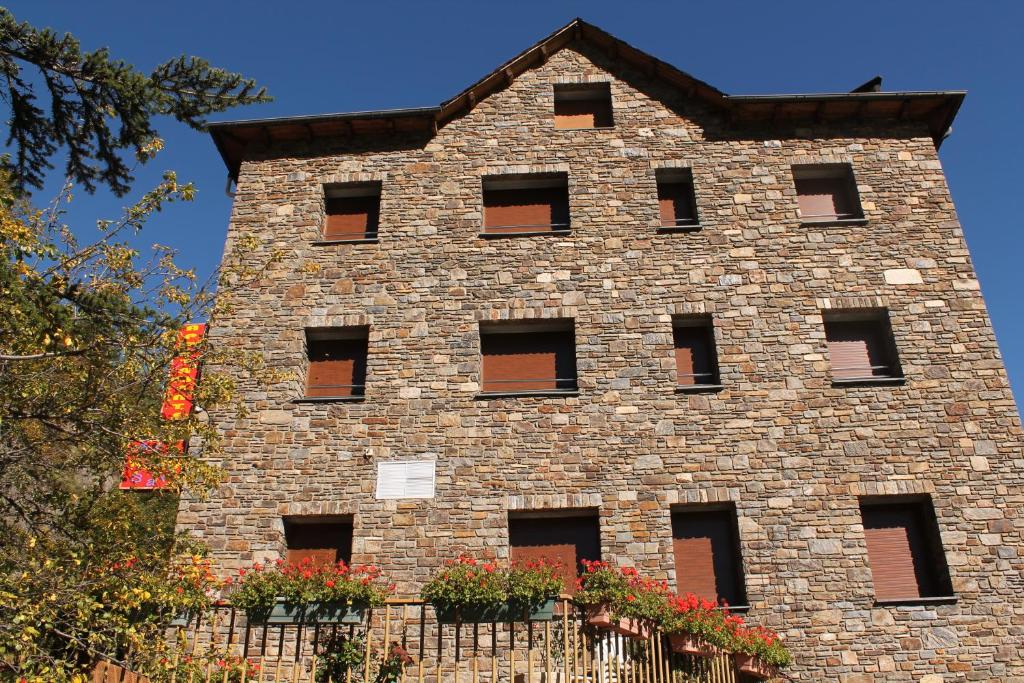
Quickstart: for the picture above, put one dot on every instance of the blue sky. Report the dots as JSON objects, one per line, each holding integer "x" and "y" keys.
{"x": 318, "y": 57}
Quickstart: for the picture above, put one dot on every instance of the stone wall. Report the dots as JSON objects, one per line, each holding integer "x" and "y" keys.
{"x": 792, "y": 452}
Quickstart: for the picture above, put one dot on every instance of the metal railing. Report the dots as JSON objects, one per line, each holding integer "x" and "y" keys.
{"x": 526, "y": 228}
{"x": 403, "y": 641}
{"x": 867, "y": 372}
{"x": 514, "y": 385}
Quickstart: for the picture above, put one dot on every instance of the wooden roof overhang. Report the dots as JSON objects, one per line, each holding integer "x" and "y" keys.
{"x": 935, "y": 109}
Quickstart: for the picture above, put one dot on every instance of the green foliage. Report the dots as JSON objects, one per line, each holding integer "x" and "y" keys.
{"x": 465, "y": 582}
{"x": 532, "y": 583}
{"x": 762, "y": 643}
{"x": 308, "y": 582}
{"x": 699, "y": 618}
{"x": 601, "y": 583}
{"x": 100, "y": 107}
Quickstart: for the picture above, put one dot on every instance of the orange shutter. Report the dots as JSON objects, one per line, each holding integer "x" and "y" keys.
{"x": 528, "y": 210}
{"x": 825, "y": 198}
{"x": 898, "y": 552}
{"x": 322, "y": 542}
{"x": 566, "y": 540}
{"x": 350, "y": 218}
{"x": 586, "y": 113}
{"x": 528, "y": 361}
{"x": 706, "y": 555}
{"x": 337, "y": 367}
{"x": 675, "y": 203}
{"x": 858, "y": 349}
{"x": 694, "y": 362}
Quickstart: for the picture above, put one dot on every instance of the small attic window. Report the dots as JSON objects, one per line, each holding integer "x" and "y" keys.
{"x": 583, "y": 105}
{"x": 352, "y": 212}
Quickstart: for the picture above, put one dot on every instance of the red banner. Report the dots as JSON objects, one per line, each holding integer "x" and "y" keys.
{"x": 184, "y": 374}
{"x": 140, "y": 453}
{"x": 178, "y": 403}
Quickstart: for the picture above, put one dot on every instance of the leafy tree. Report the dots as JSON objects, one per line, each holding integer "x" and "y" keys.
{"x": 100, "y": 108}
{"x": 88, "y": 326}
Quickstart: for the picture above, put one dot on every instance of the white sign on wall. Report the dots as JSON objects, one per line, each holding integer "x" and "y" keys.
{"x": 405, "y": 479}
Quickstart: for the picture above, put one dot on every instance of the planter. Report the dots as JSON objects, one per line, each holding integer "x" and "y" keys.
{"x": 688, "y": 644}
{"x": 469, "y": 614}
{"x": 280, "y": 612}
{"x": 600, "y": 616}
{"x": 754, "y": 667}
{"x": 485, "y": 614}
{"x": 545, "y": 611}
{"x": 335, "y": 613}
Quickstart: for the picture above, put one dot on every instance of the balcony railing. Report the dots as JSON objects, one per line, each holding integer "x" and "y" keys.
{"x": 405, "y": 639}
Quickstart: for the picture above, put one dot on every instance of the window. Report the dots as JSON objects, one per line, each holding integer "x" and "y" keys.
{"x": 337, "y": 362}
{"x": 528, "y": 357}
{"x": 826, "y": 193}
{"x": 861, "y": 348}
{"x": 676, "y": 202}
{"x": 583, "y": 105}
{"x": 568, "y": 537}
{"x": 904, "y": 549}
{"x": 352, "y": 212}
{"x": 534, "y": 204}
{"x": 324, "y": 540}
{"x": 707, "y": 553}
{"x": 696, "y": 364}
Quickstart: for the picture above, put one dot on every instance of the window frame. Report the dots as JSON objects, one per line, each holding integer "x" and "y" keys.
{"x": 327, "y": 334}
{"x": 707, "y": 324}
{"x": 592, "y": 515}
{"x": 600, "y": 91}
{"x": 524, "y": 182}
{"x": 940, "y": 575}
{"x": 677, "y": 176}
{"x": 879, "y": 319}
{"x": 530, "y": 326}
{"x": 729, "y": 511}
{"x": 839, "y": 172}
{"x": 356, "y": 190}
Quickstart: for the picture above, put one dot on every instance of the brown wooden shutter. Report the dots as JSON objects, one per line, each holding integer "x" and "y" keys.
{"x": 898, "y": 552}
{"x": 858, "y": 349}
{"x": 567, "y": 540}
{"x": 337, "y": 367}
{"x": 825, "y": 198}
{"x": 350, "y": 218}
{"x": 583, "y": 113}
{"x": 526, "y": 210}
{"x": 706, "y": 555}
{"x": 528, "y": 361}
{"x": 322, "y": 542}
{"x": 675, "y": 203}
{"x": 694, "y": 355}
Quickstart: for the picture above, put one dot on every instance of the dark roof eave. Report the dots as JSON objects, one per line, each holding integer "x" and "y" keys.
{"x": 851, "y": 96}
{"x": 414, "y": 112}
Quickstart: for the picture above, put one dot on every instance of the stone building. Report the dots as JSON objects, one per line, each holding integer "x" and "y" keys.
{"x": 594, "y": 305}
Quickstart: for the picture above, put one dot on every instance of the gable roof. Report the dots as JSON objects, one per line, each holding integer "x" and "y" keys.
{"x": 935, "y": 109}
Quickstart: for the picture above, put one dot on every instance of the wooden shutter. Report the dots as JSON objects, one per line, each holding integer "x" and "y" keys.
{"x": 694, "y": 355}
{"x": 323, "y": 542}
{"x": 528, "y": 361}
{"x": 350, "y": 218}
{"x": 526, "y": 210}
{"x": 898, "y": 552}
{"x": 707, "y": 555}
{"x": 337, "y": 367}
{"x": 858, "y": 349}
{"x": 583, "y": 113}
{"x": 825, "y": 198}
{"x": 675, "y": 203}
{"x": 567, "y": 540}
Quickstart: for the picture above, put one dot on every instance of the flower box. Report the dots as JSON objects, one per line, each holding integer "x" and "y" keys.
{"x": 280, "y": 612}
{"x": 600, "y": 616}
{"x": 470, "y": 614}
{"x": 754, "y": 666}
{"x": 335, "y": 613}
{"x": 688, "y": 644}
{"x": 485, "y": 614}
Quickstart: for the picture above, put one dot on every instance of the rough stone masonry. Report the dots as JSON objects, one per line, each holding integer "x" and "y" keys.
{"x": 792, "y": 452}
